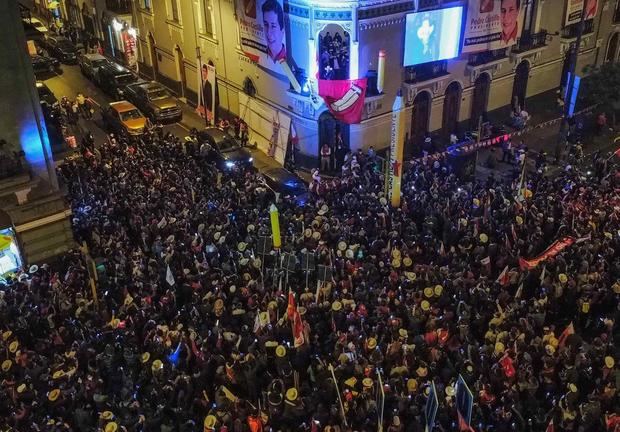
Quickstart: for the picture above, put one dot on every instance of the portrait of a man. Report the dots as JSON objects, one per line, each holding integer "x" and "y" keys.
{"x": 273, "y": 28}
{"x": 509, "y": 13}
{"x": 209, "y": 106}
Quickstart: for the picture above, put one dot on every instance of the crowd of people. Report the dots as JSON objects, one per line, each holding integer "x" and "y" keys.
{"x": 334, "y": 55}
{"x": 197, "y": 326}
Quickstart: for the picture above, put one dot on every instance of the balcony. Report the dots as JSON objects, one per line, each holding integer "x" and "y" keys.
{"x": 485, "y": 57}
{"x": 428, "y": 4}
{"x": 570, "y": 31}
{"x": 530, "y": 41}
{"x": 426, "y": 72}
{"x": 121, "y": 7}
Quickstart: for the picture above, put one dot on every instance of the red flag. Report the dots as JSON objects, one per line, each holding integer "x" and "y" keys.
{"x": 292, "y": 307}
{"x": 298, "y": 330}
{"x": 503, "y": 278}
{"x": 617, "y": 152}
{"x": 569, "y": 330}
{"x": 507, "y": 366}
{"x": 550, "y": 427}
{"x": 463, "y": 426}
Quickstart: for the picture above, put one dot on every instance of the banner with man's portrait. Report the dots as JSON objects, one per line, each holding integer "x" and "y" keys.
{"x": 207, "y": 97}
{"x": 492, "y": 24}
{"x": 263, "y": 35}
{"x": 574, "y": 9}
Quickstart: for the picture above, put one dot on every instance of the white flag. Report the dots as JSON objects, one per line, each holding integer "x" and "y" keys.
{"x": 169, "y": 276}
{"x": 543, "y": 273}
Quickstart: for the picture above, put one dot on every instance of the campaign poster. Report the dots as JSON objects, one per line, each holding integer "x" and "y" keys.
{"x": 263, "y": 35}
{"x": 207, "y": 97}
{"x": 575, "y": 7}
{"x": 492, "y": 24}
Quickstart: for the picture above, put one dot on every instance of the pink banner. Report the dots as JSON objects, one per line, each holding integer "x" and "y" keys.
{"x": 344, "y": 98}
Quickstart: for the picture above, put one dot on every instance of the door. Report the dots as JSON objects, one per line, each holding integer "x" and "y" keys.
{"x": 451, "y": 105}
{"x": 329, "y": 128}
{"x": 480, "y": 99}
{"x": 178, "y": 55}
{"x": 519, "y": 87}
{"x": 419, "y": 120}
{"x": 153, "y": 55}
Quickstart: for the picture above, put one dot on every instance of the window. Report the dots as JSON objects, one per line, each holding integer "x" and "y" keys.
{"x": 146, "y": 4}
{"x": 174, "y": 10}
{"x": 208, "y": 27}
{"x": 529, "y": 18}
{"x": 617, "y": 12}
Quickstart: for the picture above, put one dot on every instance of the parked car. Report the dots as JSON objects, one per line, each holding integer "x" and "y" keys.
{"x": 224, "y": 150}
{"x": 46, "y": 95}
{"x": 154, "y": 101}
{"x": 37, "y": 24}
{"x": 286, "y": 183}
{"x": 45, "y": 65}
{"x": 90, "y": 64}
{"x": 123, "y": 118}
{"x": 61, "y": 48}
{"x": 113, "y": 78}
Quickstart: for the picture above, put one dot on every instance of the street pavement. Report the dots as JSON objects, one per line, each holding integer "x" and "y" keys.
{"x": 71, "y": 81}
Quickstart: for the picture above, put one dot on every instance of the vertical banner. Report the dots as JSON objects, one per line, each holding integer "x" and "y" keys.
{"x": 207, "y": 97}
{"x": 397, "y": 139}
{"x": 574, "y": 9}
{"x": 492, "y": 24}
{"x": 129, "y": 47}
{"x": 464, "y": 403}
{"x": 430, "y": 411}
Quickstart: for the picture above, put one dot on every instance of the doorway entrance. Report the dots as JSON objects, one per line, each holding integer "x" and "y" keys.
{"x": 330, "y": 130}
{"x": 480, "y": 100}
{"x": 419, "y": 121}
{"x": 153, "y": 55}
{"x": 451, "y": 105}
{"x": 519, "y": 87}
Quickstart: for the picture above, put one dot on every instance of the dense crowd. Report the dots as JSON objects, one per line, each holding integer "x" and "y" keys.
{"x": 192, "y": 329}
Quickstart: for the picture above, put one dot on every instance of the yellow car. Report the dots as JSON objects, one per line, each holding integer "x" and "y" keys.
{"x": 123, "y": 118}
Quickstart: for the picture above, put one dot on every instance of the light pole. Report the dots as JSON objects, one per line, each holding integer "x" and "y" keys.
{"x": 573, "y": 53}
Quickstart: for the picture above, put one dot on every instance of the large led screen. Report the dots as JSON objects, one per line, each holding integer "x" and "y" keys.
{"x": 432, "y": 35}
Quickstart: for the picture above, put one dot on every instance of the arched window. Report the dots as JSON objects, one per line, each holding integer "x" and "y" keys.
{"x": 451, "y": 106}
{"x": 479, "y": 102}
{"x": 612, "y": 48}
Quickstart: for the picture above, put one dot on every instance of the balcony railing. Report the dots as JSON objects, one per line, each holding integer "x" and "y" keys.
{"x": 570, "y": 32}
{"x": 530, "y": 41}
{"x": 122, "y": 7}
{"x": 426, "y": 71}
{"x": 485, "y": 57}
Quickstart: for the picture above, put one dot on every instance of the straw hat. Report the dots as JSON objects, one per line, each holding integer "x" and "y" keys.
{"x": 483, "y": 238}
{"x": 324, "y": 209}
{"x": 438, "y": 290}
{"x": 351, "y": 382}
{"x": 53, "y": 395}
{"x": 519, "y": 220}
{"x": 412, "y": 385}
{"x": 33, "y": 269}
{"x": 336, "y": 306}
{"x": 307, "y": 233}
{"x": 422, "y": 371}
{"x": 280, "y": 351}
{"x": 157, "y": 365}
{"x": 476, "y": 202}
{"x": 210, "y": 421}
{"x": 13, "y": 347}
{"x": 128, "y": 300}
{"x": 410, "y": 275}
{"x": 499, "y": 348}
{"x": 428, "y": 292}
{"x": 316, "y": 235}
{"x": 107, "y": 415}
{"x": 396, "y": 262}
{"x": 402, "y": 333}
{"x": 21, "y": 388}
{"x": 562, "y": 277}
{"x": 367, "y": 383}
{"x": 450, "y": 391}
{"x": 241, "y": 246}
{"x": 372, "y": 343}
{"x": 572, "y": 388}
{"x": 7, "y": 334}
{"x": 58, "y": 374}
{"x": 342, "y": 246}
{"x": 111, "y": 427}
{"x": 6, "y": 365}
{"x": 291, "y": 394}
{"x": 145, "y": 357}
{"x": 425, "y": 305}
{"x": 609, "y": 362}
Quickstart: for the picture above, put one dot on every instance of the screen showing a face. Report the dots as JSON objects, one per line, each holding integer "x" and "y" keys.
{"x": 432, "y": 35}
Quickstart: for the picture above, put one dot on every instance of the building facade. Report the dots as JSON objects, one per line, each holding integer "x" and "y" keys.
{"x": 440, "y": 96}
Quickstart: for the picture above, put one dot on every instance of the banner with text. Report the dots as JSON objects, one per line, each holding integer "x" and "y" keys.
{"x": 492, "y": 24}
{"x": 575, "y": 7}
{"x": 263, "y": 35}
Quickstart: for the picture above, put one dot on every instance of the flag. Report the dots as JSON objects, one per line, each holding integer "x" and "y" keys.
{"x": 550, "y": 427}
{"x": 519, "y": 292}
{"x": 442, "y": 250}
{"x": 292, "y": 307}
{"x": 169, "y": 276}
{"x": 464, "y": 404}
{"x": 543, "y": 273}
{"x": 432, "y": 405}
{"x": 503, "y": 278}
{"x": 476, "y": 227}
{"x": 617, "y": 152}
{"x": 344, "y": 98}
{"x": 514, "y": 232}
{"x": 508, "y": 245}
{"x": 507, "y": 366}
{"x": 298, "y": 330}
{"x": 569, "y": 330}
